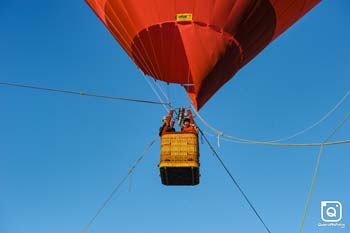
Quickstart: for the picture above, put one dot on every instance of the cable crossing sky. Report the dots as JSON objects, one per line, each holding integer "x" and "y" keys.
{"x": 81, "y": 93}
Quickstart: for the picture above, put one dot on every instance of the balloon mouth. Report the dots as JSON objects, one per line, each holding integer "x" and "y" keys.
{"x": 179, "y": 53}
{"x": 160, "y": 52}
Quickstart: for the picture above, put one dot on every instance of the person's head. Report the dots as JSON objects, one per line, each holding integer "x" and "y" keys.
{"x": 187, "y": 122}
{"x": 164, "y": 120}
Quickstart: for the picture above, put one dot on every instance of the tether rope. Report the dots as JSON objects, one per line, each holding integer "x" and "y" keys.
{"x": 247, "y": 141}
{"x": 317, "y": 168}
{"x": 325, "y": 117}
{"x": 110, "y": 197}
{"x": 81, "y": 93}
{"x": 234, "y": 181}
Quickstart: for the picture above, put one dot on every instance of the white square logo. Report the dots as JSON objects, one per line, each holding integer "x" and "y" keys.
{"x": 331, "y": 211}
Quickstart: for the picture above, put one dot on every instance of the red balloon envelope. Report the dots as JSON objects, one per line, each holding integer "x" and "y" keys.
{"x": 200, "y": 44}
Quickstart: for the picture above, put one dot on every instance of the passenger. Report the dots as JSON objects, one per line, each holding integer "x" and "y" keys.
{"x": 187, "y": 126}
{"x": 168, "y": 124}
{"x": 171, "y": 127}
{"x": 165, "y": 124}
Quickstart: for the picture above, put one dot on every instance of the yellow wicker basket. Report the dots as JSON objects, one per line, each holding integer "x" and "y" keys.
{"x": 179, "y": 158}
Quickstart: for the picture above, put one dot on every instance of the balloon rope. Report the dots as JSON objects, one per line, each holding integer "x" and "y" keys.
{"x": 248, "y": 141}
{"x": 130, "y": 171}
{"x": 82, "y": 93}
{"x": 160, "y": 88}
{"x": 150, "y": 84}
{"x": 316, "y": 170}
{"x": 325, "y": 117}
{"x": 235, "y": 181}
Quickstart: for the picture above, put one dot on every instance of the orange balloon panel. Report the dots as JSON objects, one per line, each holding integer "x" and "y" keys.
{"x": 200, "y": 44}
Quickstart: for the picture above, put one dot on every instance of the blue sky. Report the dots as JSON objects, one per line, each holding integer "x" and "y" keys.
{"x": 62, "y": 155}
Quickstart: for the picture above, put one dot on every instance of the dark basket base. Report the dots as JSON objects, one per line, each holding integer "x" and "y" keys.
{"x": 179, "y": 175}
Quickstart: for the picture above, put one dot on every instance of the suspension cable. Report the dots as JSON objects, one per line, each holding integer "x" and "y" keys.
{"x": 167, "y": 109}
{"x": 234, "y": 181}
{"x": 317, "y": 168}
{"x": 160, "y": 88}
{"x": 110, "y": 197}
{"x": 81, "y": 93}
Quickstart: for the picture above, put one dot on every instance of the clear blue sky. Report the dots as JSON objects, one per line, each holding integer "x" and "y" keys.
{"x": 61, "y": 155}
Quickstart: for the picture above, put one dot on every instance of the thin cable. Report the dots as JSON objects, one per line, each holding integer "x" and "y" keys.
{"x": 285, "y": 144}
{"x": 169, "y": 94}
{"x": 155, "y": 92}
{"x": 317, "y": 168}
{"x": 306, "y": 208}
{"x": 234, "y": 181}
{"x": 162, "y": 91}
{"x": 110, "y": 197}
{"x": 247, "y": 141}
{"x": 81, "y": 93}
{"x": 325, "y": 117}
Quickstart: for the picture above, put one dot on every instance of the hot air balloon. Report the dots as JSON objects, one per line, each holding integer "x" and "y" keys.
{"x": 199, "y": 44}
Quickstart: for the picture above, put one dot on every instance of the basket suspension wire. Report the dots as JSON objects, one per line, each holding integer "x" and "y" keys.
{"x": 161, "y": 89}
{"x": 234, "y": 181}
{"x": 117, "y": 187}
{"x": 168, "y": 92}
{"x": 167, "y": 108}
{"x": 188, "y": 83}
{"x": 346, "y": 117}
